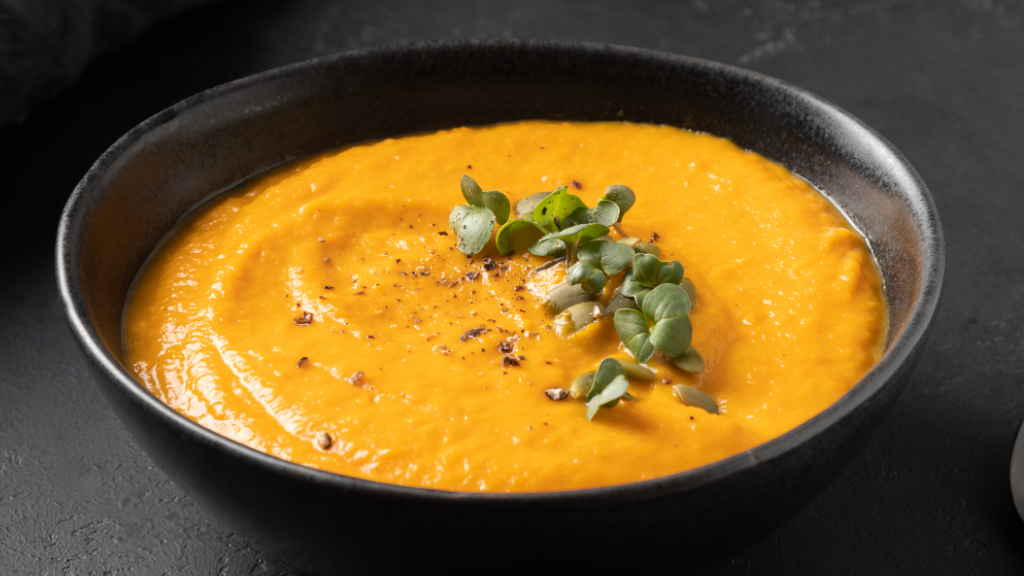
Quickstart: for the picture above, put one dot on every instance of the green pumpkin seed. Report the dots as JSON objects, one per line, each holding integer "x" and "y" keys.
{"x": 637, "y": 371}
{"x": 524, "y": 208}
{"x": 582, "y": 384}
{"x": 689, "y": 361}
{"x": 647, "y": 248}
{"x": 693, "y": 397}
{"x": 546, "y": 265}
{"x": 687, "y": 285}
{"x": 582, "y": 315}
{"x": 561, "y": 297}
{"x": 619, "y": 302}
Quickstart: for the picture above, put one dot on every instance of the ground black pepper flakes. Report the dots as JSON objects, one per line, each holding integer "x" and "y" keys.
{"x": 504, "y": 347}
{"x": 471, "y": 333}
{"x": 305, "y": 320}
{"x": 509, "y": 360}
{"x": 329, "y": 287}
{"x": 472, "y": 276}
{"x": 489, "y": 264}
{"x": 302, "y": 362}
{"x": 556, "y": 394}
{"x": 655, "y": 237}
{"x": 577, "y": 185}
{"x": 442, "y": 233}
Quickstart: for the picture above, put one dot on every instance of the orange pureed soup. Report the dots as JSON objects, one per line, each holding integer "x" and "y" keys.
{"x": 253, "y": 315}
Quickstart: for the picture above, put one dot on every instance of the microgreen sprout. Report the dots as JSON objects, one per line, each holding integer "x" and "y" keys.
{"x": 651, "y": 308}
{"x": 610, "y": 384}
{"x": 474, "y": 222}
{"x": 662, "y": 323}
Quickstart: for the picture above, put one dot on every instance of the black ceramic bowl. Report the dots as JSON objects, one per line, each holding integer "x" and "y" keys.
{"x": 147, "y": 180}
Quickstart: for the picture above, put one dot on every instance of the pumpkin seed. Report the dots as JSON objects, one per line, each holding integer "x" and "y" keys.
{"x": 582, "y": 384}
{"x": 687, "y": 285}
{"x": 693, "y": 397}
{"x": 637, "y": 371}
{"x": 546, "y": 265}
{"x": 524, "y": 208}
{"x": 323, "y": 440}
{"x": 619, "y": 302}
{"x": 581, "y": 315}
{"x": 565, "y": 295}
{"x": 647, "y": 248}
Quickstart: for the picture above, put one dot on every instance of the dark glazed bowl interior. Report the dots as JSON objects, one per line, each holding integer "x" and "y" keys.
{"x": 147, "y": 180}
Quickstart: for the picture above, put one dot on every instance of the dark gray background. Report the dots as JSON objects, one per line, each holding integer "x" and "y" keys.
{"x": 944, "y": 81}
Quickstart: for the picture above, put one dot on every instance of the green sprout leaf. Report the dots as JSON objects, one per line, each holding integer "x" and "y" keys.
{"x": 650, "y": 271}
{"x": 611, "y": 257}
{"x": 549, "y": 245}
{"x": 517, "y": 235}
{"x": 574, "y": 236}
{"x": 622, "y": 196}
{"x": 591, "y": 279}
{"x": 639, "y": 296}
{"x": 581, "y": 233}
{"x": 498, "y": 203}
{"x": 668, "y": 307}
{"x": 610, "y": 385}
{"x": 473, "y": 225}
{"x": 578, "y": 216}
{"x": 605, "y": 213}
{"x": 630, "y": 287}
{"x": 471, "y": 191}
{"x": 578, "y": 272}
{"x": 556, "y": 208}
{"x": 690, "y": 361}
{"x": 633, "y": 289}
{"x": 595, "y": 283}
{"x": 634, "y": 331}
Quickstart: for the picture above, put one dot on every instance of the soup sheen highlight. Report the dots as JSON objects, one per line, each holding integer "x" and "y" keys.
{"x": 257, "y": 313}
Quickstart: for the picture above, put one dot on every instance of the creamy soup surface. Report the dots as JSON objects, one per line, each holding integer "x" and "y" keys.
{"x": 254, "y": 314}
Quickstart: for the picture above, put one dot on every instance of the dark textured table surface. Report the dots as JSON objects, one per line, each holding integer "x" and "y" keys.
{"x": 944, "y": 82}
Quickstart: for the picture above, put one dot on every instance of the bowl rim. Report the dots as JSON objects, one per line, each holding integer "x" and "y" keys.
{"x": 900, "y": 350}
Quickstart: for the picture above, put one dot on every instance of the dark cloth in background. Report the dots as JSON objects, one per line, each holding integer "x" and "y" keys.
{"x": 45, "y": 44}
